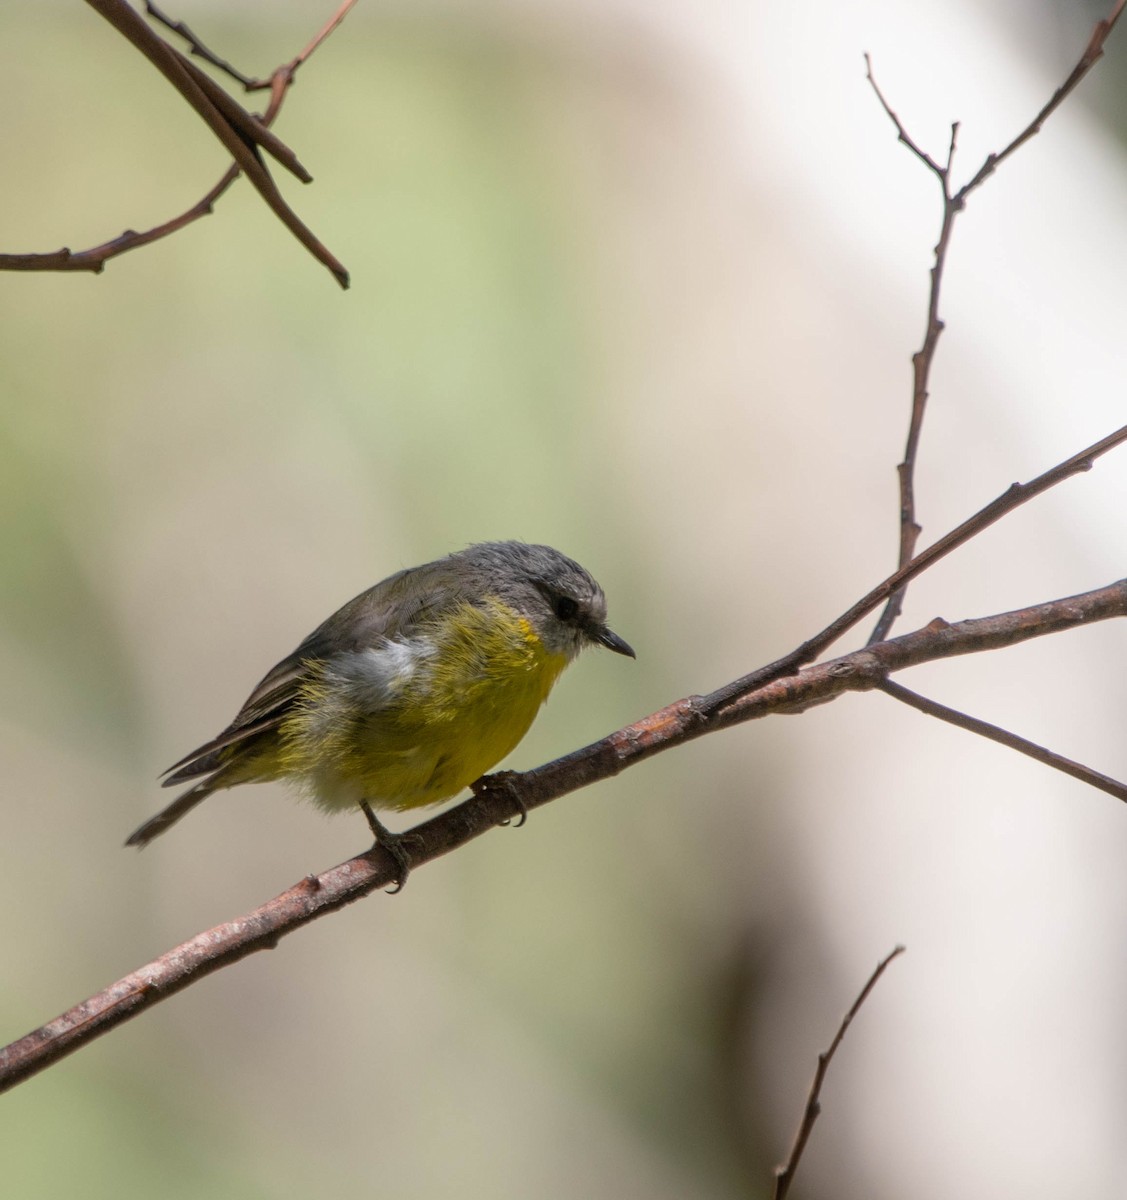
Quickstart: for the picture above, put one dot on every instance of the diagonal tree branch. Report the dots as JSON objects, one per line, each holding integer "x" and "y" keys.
{"x": 1014, "y": 496}
{"x": 317, "y": 895}
{"x": 1004, "y": 737}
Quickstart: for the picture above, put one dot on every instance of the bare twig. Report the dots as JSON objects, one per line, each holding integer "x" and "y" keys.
{"x": 784, "y": 1174}
{"x": 253, "y": 133}
{"x": 96, "y": 257}
{"x": 1093, "y": 52}
{"x": 674, "y": 725}
{"x": 868, "y": 668}
{"x": 240, "y": 131}
{"x": 953, "y": 203}
{"x": 921, "y": 361}
{"x": 197, "y": 47}
{"x": 317, "y": 38}
{"x": 1016, "y": 494}
{"x": 902, "y": 134}
{"x": 1023, "y": 745}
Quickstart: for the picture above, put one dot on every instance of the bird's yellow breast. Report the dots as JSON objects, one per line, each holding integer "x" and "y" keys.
{"x": 420, "y": 718}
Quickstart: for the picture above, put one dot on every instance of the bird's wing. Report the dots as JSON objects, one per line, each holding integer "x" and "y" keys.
{"x": 395, "y": 608}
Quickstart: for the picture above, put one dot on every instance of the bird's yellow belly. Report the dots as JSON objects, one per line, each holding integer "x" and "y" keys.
{"x": 465, "y": 700}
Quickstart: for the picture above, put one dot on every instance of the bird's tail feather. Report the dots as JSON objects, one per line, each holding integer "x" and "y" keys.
{"x": 167, "y": 817}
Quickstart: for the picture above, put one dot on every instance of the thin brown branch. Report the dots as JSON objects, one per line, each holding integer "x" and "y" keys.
{"x": 784, "y": 1174}
{"x": 868, "y": 668}
{"x": 902, "y": 134}
{"x": 253, "y": 133}
{"x": 1014, "y": 496}
{"x": 910, "y": 529}
{"x": 680, "y": 722}
{"x": 196, "y": 47}
{"x": 953, "y": 204}
{"x": 96, "y": 257}
{"x": 1093, "y": 52}
{"x": 320, "y": 36}
{"x": 240, "y": 132}
{"x": 1004, "y": 737}
{"x": 237, "y": 133}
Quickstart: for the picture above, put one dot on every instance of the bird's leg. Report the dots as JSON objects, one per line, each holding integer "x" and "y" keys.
{"x": 392, "y": 843}
{"x": 503, "y": 781}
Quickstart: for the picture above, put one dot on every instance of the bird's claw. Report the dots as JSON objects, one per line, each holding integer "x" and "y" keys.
{"x": 392, "y": 843}
{"x": 503, "y": 781}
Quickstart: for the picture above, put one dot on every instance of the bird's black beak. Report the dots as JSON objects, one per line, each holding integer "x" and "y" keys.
{"x": 610, "y": 639}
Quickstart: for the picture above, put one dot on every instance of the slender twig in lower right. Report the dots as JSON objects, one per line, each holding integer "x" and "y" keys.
{"x": 784, "y": 1174}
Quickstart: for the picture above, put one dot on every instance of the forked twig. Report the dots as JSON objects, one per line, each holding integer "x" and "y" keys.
{"x": 197, "y": 47}
{"x": 1014, "y": 496}
{"x": 953, "y": 203}
{"x": 784, "y": 1174}
{"x": 241, "y": 132}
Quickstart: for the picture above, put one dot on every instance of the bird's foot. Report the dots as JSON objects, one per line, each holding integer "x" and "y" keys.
{"x": 392, "y": 843}
{"x": 503, "y": 781}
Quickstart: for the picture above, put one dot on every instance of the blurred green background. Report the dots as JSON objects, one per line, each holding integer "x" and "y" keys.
{"x": 595, "y": 304}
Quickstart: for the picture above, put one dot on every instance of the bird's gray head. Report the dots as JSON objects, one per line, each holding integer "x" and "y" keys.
{"x": 558, "y": 597}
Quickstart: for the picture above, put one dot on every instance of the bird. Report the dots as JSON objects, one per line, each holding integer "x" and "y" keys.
{"x": 411, "y": 691}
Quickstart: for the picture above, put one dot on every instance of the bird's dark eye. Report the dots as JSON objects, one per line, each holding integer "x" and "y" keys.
{"x": 565, "y": 608}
